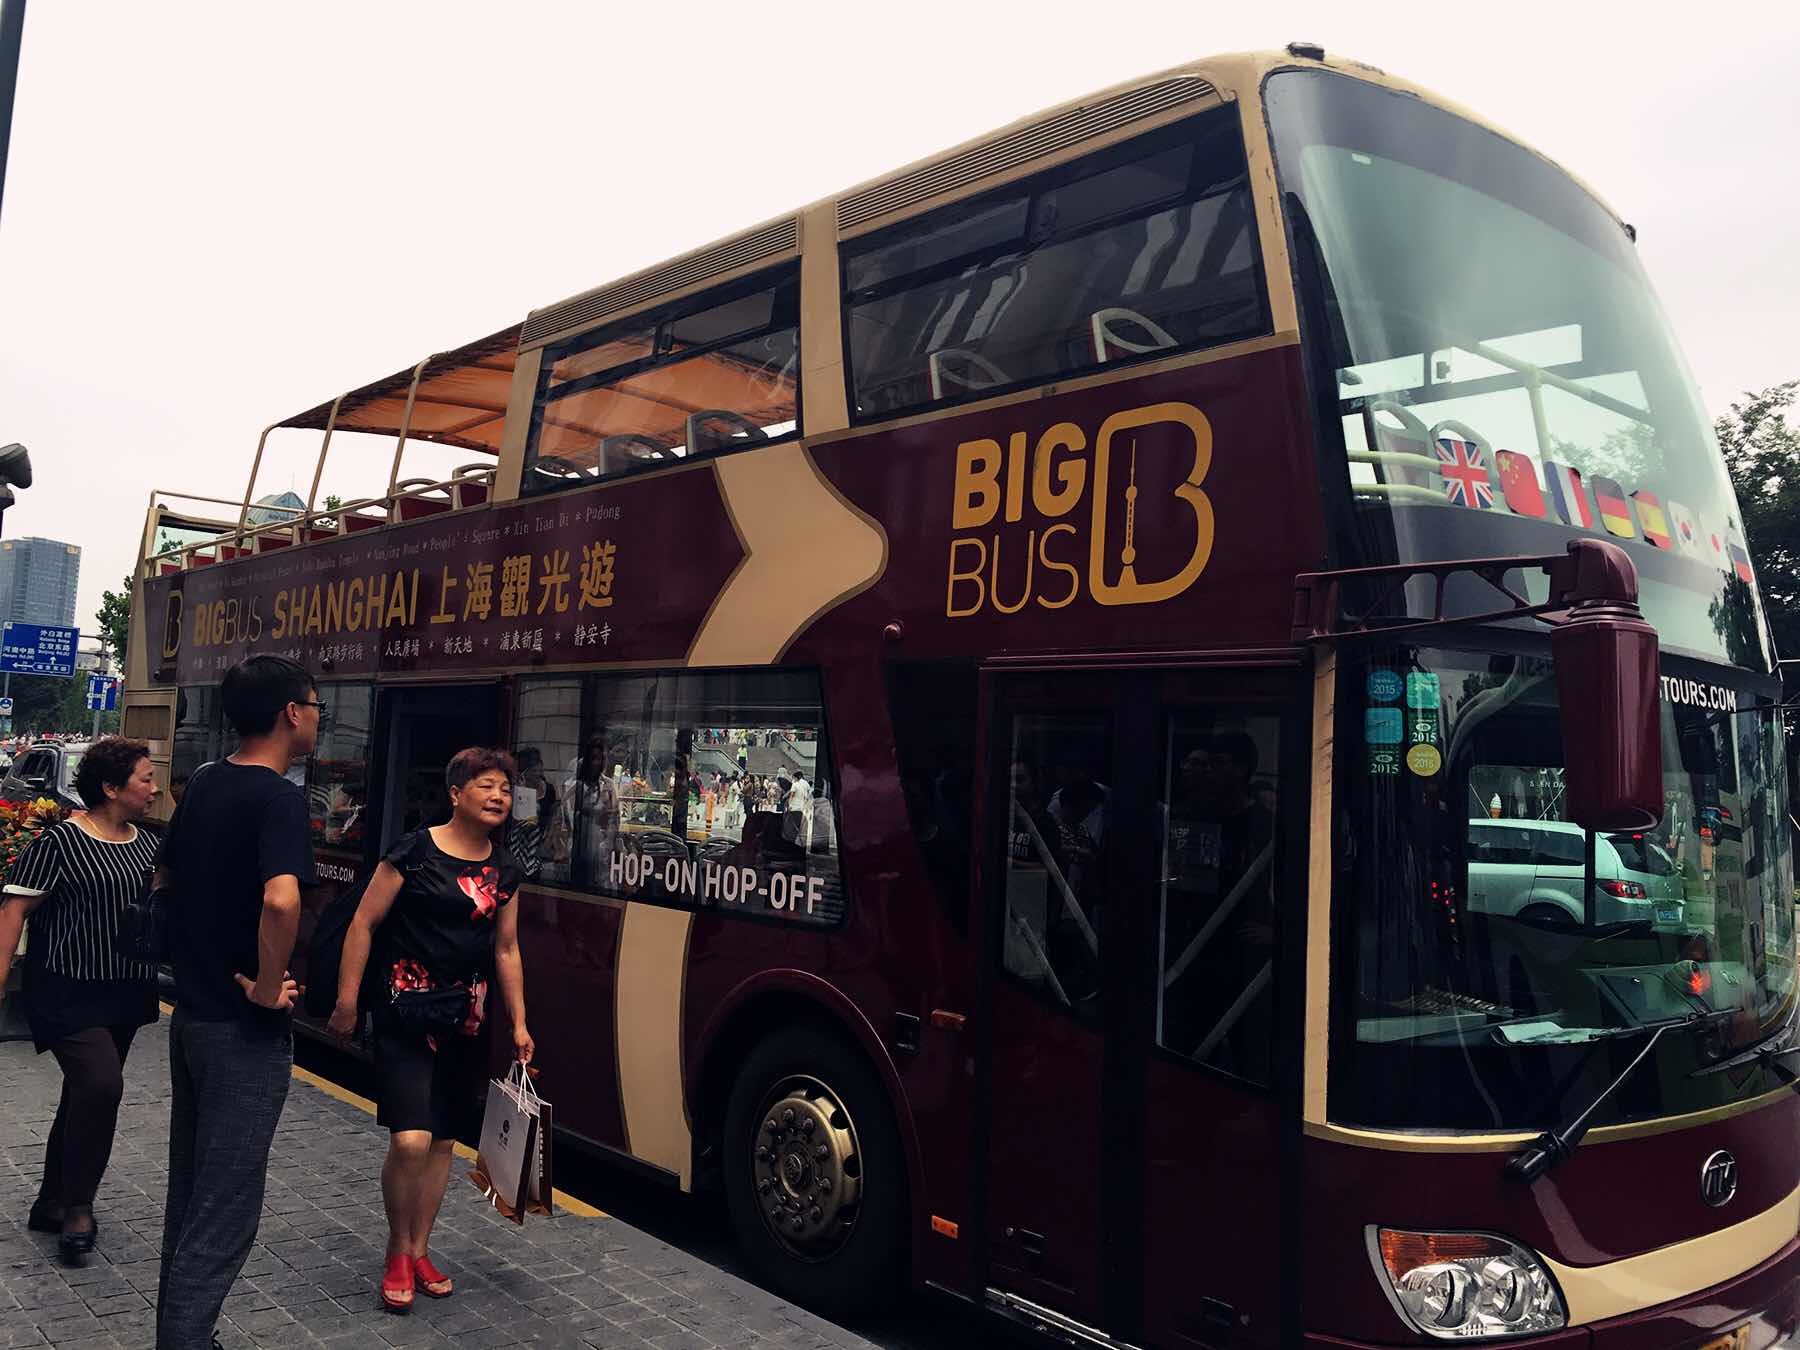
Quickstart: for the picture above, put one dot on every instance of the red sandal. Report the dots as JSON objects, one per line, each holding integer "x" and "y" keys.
{"x": 431, "y": 1281}
{"x": 397, "y": 1282}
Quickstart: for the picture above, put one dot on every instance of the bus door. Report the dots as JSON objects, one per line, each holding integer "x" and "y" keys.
{"x": 1133, "y": 883}
{"x": 422, "y": 726}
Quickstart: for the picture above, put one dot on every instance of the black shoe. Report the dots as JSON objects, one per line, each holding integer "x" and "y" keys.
{"x": 74, "y": 1244}
{"x": 43, "y": 1219}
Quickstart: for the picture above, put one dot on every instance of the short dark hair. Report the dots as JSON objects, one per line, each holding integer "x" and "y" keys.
{"x": 468, "y": 765}
{"x": 255, "y": 691}
{"x": 108, "y": 763}
{"x": 1239, "y": 749}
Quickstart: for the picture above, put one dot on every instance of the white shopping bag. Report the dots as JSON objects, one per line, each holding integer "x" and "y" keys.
{"x": 509, "y": 1126}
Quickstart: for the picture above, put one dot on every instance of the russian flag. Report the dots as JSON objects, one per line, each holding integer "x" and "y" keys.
{"x": 1740, "y": 555}
{"x": 1567, "y": 494}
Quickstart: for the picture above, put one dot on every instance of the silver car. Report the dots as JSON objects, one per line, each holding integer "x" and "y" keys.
{"x": 1533, "y": 870}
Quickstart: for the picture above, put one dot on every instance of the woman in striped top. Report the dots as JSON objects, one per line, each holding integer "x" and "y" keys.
{"x": 84, "y": 999}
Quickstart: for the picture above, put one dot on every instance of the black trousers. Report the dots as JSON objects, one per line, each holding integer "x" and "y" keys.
{"x": 230, "y": 1081}
{"x": 81, "y": 1139}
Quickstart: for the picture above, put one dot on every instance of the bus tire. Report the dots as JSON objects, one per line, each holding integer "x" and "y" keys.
{"x": 815, "y": 1177}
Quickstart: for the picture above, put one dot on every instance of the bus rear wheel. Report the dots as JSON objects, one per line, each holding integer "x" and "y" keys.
{"x": 814, "y": 1173}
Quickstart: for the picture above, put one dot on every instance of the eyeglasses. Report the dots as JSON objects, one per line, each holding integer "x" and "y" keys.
{"x": 318, "y": 703}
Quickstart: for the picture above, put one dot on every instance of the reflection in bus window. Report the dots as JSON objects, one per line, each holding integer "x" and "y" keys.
{"x": 707, "y": 790}
{"x": 934, "y": 709}
{"x": 706, "y": 376}
{"x": 546, "y": 737}
{"x": 1055, "y": 876}
{"x": 1217, "y": 924}
{"x": 201, "y": 734}
{"x": 1142, "y": 250}
{"x": 337, "y": 775}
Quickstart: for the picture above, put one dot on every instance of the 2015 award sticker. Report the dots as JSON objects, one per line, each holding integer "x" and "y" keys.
{"x": 1424, "y": 760}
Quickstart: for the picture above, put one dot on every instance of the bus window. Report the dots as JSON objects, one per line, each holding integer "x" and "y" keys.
{"x": 1055, "y": 867}
{"x": 933, "y": 707}
{"x": 1142, "y": 250}
{"x": 546, "y": 739}
{"x": 201, "y": 734}
{"x": 1218, "y": 896}
{"x": 709, "y": 790}
{"x": 337, "y": 775}
{"x": 711, "y": 374}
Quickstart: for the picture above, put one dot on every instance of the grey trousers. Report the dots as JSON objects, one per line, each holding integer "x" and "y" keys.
{"x": 230, "y": 1082}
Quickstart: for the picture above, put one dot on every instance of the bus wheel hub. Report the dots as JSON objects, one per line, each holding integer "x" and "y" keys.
{"x": 806, "y": 1166}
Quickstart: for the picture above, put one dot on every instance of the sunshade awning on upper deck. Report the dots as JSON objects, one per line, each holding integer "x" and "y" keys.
{"x": 461, "y": 398}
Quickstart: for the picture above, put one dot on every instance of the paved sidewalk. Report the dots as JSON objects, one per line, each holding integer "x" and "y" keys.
{"x": 311, "y": 1279}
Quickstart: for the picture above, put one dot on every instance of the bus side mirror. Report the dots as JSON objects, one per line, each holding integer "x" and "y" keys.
{"x": 1608, "y": 682}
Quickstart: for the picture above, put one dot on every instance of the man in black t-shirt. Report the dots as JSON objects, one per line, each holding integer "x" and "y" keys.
{"x": 236, "y": 854}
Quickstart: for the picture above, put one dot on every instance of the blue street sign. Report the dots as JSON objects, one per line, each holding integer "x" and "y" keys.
{"x": 102, "y": 694}
{"x": 38, "y": 649}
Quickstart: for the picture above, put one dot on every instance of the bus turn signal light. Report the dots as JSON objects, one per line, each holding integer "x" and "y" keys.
{"x": 1458, "y": 1286}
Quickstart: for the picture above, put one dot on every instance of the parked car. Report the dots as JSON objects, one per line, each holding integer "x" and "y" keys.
{"x": 1533, "y": 870}
{"x": 46, "y": 769}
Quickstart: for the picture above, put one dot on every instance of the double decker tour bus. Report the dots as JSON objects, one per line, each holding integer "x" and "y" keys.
{"x": 1092, "y": 733}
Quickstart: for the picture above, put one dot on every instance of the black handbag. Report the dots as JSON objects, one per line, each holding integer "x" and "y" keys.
{"x": 434, "y": 1011}
{"x": 144, "y": 926}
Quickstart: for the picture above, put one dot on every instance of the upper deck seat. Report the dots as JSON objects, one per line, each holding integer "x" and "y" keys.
{"x": 416, "y": 498}
{"x": 471, "y": 485}
{"x": 631, "y": 451}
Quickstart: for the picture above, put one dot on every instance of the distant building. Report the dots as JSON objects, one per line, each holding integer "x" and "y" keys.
{"x": 37, "y": 581}
{"x": 275, "y": 508}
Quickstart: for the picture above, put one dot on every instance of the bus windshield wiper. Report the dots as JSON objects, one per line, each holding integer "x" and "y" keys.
{"x": 1558, "y": 1142}
{"x": 1764, "y": 1055}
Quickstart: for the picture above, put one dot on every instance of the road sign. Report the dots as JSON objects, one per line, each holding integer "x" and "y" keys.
{"x": 102, "y": 693}
{"x": 38, "y": 649}
{"x": 5, "y": 707}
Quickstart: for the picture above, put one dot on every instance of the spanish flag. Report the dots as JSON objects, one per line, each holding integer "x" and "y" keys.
{"x": 1518, "y": 481}
{"x": 1615, "y": 512}
{"x": 1650, "y": 516}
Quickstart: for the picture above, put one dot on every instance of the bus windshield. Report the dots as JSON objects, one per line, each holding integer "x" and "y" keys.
{"x": 1498, "y": 369}
{"x": 1493, "y": 954}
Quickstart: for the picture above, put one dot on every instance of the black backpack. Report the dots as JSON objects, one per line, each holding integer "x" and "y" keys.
{"x": 325, "y": 954}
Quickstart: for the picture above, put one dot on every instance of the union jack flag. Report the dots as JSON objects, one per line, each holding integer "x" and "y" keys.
{"x": 1464, "y": 468}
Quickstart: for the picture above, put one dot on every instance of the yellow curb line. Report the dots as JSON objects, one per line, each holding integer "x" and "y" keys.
{"x": 579, "y": 1208}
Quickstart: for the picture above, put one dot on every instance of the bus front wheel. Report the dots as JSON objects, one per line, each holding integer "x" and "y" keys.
{"x": 814, "y": 1173}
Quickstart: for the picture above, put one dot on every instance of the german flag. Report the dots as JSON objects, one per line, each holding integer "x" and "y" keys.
{"x": 1615, "y": 511}
{"x": 1650, "y": 516}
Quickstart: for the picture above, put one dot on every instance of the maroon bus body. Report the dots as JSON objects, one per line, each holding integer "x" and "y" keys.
{"x": 1212, "y": 1148}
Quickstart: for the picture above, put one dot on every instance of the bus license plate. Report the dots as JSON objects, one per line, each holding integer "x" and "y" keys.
{"x": 1736, "y": 1339}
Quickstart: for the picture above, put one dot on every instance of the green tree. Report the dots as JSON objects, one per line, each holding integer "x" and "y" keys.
{"x": 333, "y": 501}
{"x": 114, "y": 619}
{"x": 1762, "y": 454}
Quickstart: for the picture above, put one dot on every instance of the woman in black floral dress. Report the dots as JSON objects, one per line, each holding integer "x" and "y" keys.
{"x": 442, "y": 900}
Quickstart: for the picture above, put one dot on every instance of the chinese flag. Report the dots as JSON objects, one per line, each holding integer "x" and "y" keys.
{"x": 1519, "y": 483}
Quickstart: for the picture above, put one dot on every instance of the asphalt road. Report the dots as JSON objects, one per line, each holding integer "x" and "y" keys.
{"x": 697, "y": 1224}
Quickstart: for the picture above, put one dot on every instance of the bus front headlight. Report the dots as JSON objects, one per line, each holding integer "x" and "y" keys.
{"x": 1466, "y": 1286}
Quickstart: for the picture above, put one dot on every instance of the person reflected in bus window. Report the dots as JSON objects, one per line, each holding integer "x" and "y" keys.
{"x": 442, "y": 900}
{"x": 1218, "y": 919}
{"x": 591, "y": 810}
{"x": 797, "y": 822}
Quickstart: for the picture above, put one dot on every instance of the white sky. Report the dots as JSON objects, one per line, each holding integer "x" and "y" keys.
{"x": 217, "y": 215}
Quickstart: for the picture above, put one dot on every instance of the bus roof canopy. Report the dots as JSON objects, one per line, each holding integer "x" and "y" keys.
{"x": 460, "y": 400}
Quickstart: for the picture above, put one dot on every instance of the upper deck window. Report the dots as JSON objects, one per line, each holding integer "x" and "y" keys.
{"x": 1140, "y": 251}
{"x": 713, "y": 373}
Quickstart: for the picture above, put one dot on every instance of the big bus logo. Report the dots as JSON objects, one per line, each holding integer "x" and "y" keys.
{"x": 171, "y": 643}
{"x": 1149, "y": 525}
